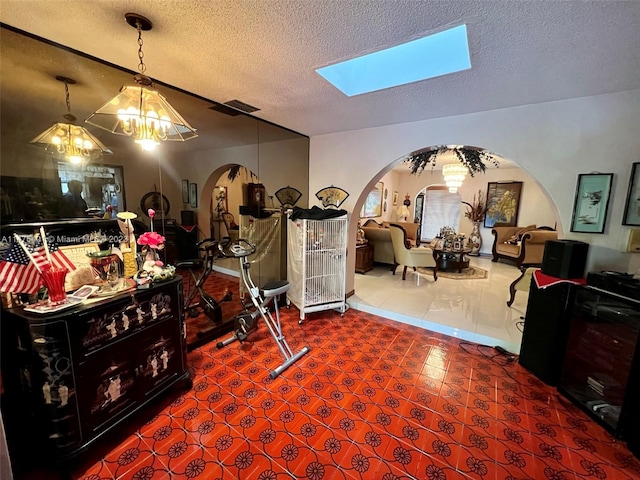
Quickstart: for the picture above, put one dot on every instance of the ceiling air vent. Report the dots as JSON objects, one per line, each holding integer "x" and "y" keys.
{"x": 245, "y": 107}
{"x": 233, "y": 108}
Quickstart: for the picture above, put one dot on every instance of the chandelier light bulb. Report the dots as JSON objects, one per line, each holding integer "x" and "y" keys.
{"x": 454, "y": 174}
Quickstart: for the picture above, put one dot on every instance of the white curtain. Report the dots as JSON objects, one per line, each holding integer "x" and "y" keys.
{"x": 441, "y": 209}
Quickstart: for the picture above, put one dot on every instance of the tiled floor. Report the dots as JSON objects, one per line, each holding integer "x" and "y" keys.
{"x": 374, "y": 399}
{"x": 473, "y": 310}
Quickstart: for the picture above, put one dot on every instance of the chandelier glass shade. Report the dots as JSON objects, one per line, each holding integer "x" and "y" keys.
{"x": 140, "y": 111}
{"x": 72, "y": 142}
{"x": 454, "y": 174}
{"x": 144, "y": 114}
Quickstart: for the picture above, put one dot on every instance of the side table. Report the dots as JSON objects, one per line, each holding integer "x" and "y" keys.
{"x": 364, "y": 258}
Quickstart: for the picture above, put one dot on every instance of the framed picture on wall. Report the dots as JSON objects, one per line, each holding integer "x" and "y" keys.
{"x": 373, "y": 203}
{"x": 503, "y": 204}
{"x": 632, "y": 205}
{"x": 193, "y": 195}
{"x": 591, "y": 202}
{"x": 185, "y": 191}
{"x": 395, "y": 198}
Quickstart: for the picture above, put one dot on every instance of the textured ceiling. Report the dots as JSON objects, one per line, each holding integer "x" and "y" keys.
{"x": 265, "y": 52}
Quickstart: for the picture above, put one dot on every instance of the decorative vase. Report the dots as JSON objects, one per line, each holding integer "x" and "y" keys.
{"x": 475, "y": 239}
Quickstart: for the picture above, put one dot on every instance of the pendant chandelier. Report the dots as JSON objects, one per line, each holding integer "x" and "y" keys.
{"x": 70, "y": 141}
{"x": 454, "y": 174}
{"x": 140, "y": 111}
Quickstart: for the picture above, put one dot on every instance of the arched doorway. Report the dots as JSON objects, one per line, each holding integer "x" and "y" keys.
{"x": 459, "y": 301}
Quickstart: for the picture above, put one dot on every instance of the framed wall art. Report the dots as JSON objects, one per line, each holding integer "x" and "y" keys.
{"x": 185, "y": 191}
{"x": 373, "y": 203}
{"x": 193, "y": 195}
{"x": 632, "y": 205}
{"x": 591, "y": 202}
{"x": 395, "y": 198}
{"x": 503, "y": 204}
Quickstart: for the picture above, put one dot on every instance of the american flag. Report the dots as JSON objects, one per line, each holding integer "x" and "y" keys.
{"x": 19, "y": 275}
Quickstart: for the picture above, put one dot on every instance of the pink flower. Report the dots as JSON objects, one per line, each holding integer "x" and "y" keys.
{"x": 151, "y": 240}
{"x": 151, "y": 212}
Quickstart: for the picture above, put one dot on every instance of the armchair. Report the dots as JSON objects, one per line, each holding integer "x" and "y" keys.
{"x": 409, "y": 257}
{"x": 524, "y": 246}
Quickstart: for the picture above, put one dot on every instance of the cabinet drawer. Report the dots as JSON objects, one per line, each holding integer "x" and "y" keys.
{"x": 107, "y": 392}
{"x": 95, "y": 329}
{"x": 160, "y": 357}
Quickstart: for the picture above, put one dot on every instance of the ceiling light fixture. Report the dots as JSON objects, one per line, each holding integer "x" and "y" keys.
{"x": 68, "y": 140}
{"x": 139, "y": 110}
{"x": 454, "y": 174}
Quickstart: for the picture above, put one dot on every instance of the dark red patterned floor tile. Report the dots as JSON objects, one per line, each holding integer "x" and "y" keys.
{"x": 446, "y": 425}
{"x": 188, "y": 455}
{"x": 97, "y": 471}
{"x": 127, "y": 455}
{"x": 220, "y": 441}
{"x": 432, "y": 469}
{"x": 149, "y": 428}
{"x": 519, "y": 464}
{"x": 149, "y": 467}
{"x": 518, "y": 439}
{"x": 249, "y": 461}
{"x": 306, "y": 462}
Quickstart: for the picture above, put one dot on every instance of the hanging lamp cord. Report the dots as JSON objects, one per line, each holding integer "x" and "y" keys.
{"x": 141, "y": 67}
{"x": 66, "y": 91}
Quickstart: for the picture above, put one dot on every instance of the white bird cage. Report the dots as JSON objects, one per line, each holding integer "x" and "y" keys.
{"x": 317, "y": 264}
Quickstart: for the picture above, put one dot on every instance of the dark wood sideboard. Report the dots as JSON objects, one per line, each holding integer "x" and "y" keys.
{"x": 364, "y": 258}
{"x": 71, "y": 377}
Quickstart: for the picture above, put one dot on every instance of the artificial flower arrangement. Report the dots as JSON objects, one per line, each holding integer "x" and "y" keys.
{"x": 152, "y": 269}
{"x": 476, "y": 210}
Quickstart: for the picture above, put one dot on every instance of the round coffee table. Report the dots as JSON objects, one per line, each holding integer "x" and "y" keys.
{"x": 449, "y": 259}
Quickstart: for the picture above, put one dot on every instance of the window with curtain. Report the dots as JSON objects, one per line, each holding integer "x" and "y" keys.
{"x": 441, "y": 209}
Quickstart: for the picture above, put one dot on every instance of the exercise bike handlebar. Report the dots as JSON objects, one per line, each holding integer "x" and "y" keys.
{"x": 206, "y": 245}
{"x": 237, "y": 249}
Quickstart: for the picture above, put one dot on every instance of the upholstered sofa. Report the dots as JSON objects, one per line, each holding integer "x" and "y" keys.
{"x": 522, "y": 245}
{"x": 379, "y": 236}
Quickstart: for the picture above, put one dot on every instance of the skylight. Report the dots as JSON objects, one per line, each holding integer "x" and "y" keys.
{"x": 439, "y": 54}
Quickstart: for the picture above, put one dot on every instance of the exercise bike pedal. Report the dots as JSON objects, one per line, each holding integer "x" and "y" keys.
{"x": 212, "y": 309}
{"x": 244, "y": 324}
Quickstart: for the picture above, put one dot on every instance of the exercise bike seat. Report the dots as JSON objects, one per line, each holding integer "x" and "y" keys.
{"x": 189, "y": 264}
{"x": 272, "y": 289}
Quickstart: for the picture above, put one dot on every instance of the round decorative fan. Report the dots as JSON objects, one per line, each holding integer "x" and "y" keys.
{"x": 155, "y": 200}
{"x": 288, "y": 196}
{"x": 332, "y": 196}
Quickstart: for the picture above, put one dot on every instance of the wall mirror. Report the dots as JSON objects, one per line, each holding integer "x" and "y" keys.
{"x": 32, "y": 100}
{"x": 373, "y": 204}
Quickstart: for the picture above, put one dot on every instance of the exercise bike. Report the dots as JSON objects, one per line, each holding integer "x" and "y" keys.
{"x": 199, "y": 270}
{"x": 247, "y": 321}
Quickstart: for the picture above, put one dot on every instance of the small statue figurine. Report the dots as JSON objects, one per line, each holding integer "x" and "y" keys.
{"x": 360, "y": 238}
